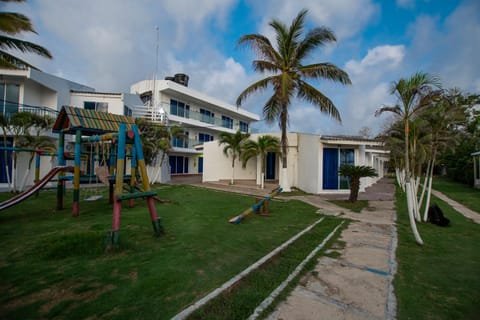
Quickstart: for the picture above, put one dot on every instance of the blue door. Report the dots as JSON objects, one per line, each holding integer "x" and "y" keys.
{"x": 270, "y": 167}
{"x": 330, "y": 169}
{"x": 4, "y": 161}
{"x": 200, "y": 165}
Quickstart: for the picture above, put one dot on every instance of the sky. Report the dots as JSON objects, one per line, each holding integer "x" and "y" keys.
{"x": 111, "y": 44}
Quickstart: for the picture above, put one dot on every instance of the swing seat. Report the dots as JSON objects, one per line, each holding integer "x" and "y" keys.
{"x": 94, "y": 197}
{"x": 102, "y": 174}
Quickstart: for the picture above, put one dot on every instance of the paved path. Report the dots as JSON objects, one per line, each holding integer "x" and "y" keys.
{"x": 475, "y": 216}
{"x": 357, "y": 285}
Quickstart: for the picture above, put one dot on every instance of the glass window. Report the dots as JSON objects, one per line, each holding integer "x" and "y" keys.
{"x": 204, "y": 137}
{"x": 207, "y": 116}
{"x": 97, "y": 106}
{"x": 227, "y": 122}
{"x": 243, "y": 126}
{"x": 347, "y": 156}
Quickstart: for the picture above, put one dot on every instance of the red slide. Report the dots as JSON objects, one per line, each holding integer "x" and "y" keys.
{"x": 37, "y": 186}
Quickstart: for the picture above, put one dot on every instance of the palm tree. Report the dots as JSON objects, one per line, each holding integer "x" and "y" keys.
{"x": 262, "y": 147}
{"x": 414, "y": 94}
{"x": 233, "y": 146}
{"x": 286, "y": 73}
{"x": 354, "y": 173}
{"x": 12, "y": 24}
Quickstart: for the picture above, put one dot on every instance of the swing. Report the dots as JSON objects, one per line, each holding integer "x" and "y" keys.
{"x": 96, "y": 196}
{"x": 101, "y": 171}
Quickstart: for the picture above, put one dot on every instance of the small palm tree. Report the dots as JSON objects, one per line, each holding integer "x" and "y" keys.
{"x": 287, "y": 74}
{"x": 262, "y": 147}
{"x": 233, "y": 147}
{"x": 354, "y": 173}
{"x": 12, "y": 24}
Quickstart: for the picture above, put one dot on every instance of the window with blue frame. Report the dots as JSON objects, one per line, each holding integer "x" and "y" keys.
{"x": 333, "y": 158}
{"x": 243, "y": 126}
{"x": 97, "y": 106}
{"x": 180, "y": 109}
{"x": 204, "y": 137}
{"x": 346, "y": 157}
{"x": 181, "y": 142}
{"x": 227, "y": 122}
{"x": 178, "y": 164}
{"x": 207, "y": 116}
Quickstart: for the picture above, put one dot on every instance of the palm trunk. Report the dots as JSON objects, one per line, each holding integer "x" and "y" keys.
{"x": 354, "y": 187}
{"x": 429, "y": 189}
{"x": 284, "y": 173}
{"x": 232, "y": 181}
{"x": 427, "y": 174}
{"x": 408, "y": 186}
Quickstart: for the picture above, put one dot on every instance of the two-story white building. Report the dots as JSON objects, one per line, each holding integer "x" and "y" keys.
{"x": 201, "y": 116}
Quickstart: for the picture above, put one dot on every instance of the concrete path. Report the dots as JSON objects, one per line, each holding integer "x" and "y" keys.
{"x": 475, "y": 216}
{"x": 357, "y": 284}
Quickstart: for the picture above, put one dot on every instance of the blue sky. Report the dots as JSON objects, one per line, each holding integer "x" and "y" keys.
{"x": 110, "y": 44}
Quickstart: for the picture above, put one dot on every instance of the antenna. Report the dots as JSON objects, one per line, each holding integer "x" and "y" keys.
{"x": 154, "y": 109}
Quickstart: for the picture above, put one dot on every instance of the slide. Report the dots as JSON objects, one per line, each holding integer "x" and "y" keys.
{"x": 37, "y": 186}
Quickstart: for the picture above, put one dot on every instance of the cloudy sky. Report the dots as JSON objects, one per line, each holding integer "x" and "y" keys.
{"x": 110, "y": 44}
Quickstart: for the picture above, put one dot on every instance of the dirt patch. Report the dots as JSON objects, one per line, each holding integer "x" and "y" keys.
{"x": 62, "y": 292}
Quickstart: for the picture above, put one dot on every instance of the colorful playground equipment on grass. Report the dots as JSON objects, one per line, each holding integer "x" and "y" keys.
{"x": 120, "y": 133}
{"x": 260, "y": 205}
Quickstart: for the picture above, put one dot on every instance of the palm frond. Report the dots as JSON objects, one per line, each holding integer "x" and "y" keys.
{"x": 317, "y": 37}
{"x": 13, "y": 23}
{"x": 23, "y": 46}
{"x": 327, "y": 71}
{"x": 312, "y": 95}
{"x": 257, "y": 86}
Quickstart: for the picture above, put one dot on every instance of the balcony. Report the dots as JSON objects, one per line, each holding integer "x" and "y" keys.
{"x": 8, "y": 109}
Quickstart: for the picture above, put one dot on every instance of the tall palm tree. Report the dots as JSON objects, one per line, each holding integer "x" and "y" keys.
{"x": 413, "y": 94}
{"x": 12, "y": 24}
{"x": 233, "y": 147}
{"x": 288, "y": 76}
{"x": 261, "y": 147}
{"x": 354, "y": 173}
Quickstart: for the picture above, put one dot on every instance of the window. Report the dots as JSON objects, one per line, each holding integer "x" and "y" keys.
{"x": 181, "y": 142}
{"x": 207, "y": 116}
{"x": 346, "y": 157}
{"x": 178, "y": 108}
{"x": 227, "y": 122}
{"x": 10, "y": 96}
{"x": 127, "y": 111}
{"x": 178, "y": 164}
{"x": 97, "y": 106}
{"x": 203, "y": 137}
{"x": 243, "y": 126}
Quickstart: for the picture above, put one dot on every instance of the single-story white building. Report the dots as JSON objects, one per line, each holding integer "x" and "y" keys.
{"x": 313, "y": 162}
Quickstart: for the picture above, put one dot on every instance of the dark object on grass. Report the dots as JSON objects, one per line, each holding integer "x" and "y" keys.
{"x": 435, "y": 216}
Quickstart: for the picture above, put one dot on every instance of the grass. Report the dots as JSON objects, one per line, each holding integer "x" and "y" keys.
{"x": 53, "y": 265}
{"x": 462, "y": 193}
{"x": 356, "y": 206}
{"x": 441, "y": 279}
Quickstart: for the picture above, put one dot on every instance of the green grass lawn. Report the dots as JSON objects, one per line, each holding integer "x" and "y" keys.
{"x": 53, "y": 265}
{"x": 461, "y": 193}
{"x": 440, "y": 280}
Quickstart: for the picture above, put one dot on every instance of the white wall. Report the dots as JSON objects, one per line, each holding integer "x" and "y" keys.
{"x": 309, "y": 164}
{"x": 216, "y": 166}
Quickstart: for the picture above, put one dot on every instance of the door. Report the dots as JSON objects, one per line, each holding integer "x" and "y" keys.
{"x": 270, "y": 167}
{"x": 4, "y": 161}
{"x": 200, "y": 165}
{"x": 330, "y": 169}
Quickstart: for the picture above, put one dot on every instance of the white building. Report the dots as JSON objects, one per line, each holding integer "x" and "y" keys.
{"x": 203, "y": 118}
{"x": 313, "y": 162}
{"x": 44, "y": 94}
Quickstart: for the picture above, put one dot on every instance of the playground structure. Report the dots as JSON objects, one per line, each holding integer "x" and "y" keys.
{"x": 121, "y": 134}
{"x": 259, "y": 205}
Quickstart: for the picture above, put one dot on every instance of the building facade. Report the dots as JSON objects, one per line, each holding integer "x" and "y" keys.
{"x": 313, "y": 162}
{"x": 202, "y": 118}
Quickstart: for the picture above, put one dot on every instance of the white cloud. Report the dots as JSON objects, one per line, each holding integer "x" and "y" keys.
{"x": 377, "y": 60}
{"x": 408, "y": 4}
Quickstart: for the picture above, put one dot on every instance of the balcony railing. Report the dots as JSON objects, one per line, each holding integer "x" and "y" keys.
{"x": 8, "y": 109}
{"x": 186, "y": 143}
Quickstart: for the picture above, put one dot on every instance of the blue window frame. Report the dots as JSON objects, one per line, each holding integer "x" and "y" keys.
{"x": 178, "y": 164}
{"x": 204, "y": 137}
{"x": 243, "y": 126}
{"x": 333, "y": 158}
{"x": 227, "y": 122}
{"x": 178, "y": 108}
{"x": 207, "y": 116}
{"x": 181, "y": 142}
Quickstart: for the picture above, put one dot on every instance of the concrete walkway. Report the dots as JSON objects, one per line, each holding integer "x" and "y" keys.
{"x": 357, "y": 284}
{"x": 475, "y": 216}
